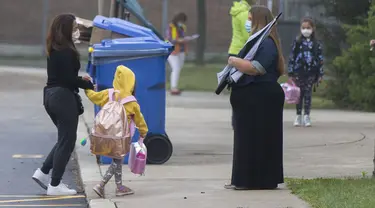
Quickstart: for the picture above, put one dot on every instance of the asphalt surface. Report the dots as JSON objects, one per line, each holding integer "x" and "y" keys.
{"x": 26, "y": 137}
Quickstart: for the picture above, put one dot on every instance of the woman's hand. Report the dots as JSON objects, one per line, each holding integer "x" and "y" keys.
{"x": 232, "y": 60}
{"x": 372, "y": 43}
{"x": 87, "y": 78}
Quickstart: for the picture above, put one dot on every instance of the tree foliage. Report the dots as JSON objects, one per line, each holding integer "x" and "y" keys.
{"x": 353, "y": 72}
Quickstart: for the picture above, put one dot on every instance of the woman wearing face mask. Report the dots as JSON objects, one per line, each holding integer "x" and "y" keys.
{"x": 61, "y": 101}
{"x": 257, "y": 101}
{"x": 306, "y": 68}
{"x": 175, "y": 34}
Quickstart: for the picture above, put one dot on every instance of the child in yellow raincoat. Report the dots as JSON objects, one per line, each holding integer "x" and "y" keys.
{"x": 124, "y": 81}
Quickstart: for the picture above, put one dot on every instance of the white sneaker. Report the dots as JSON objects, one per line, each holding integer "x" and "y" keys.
{"x": 298, "y": 121}
{"x": 307, "y": 120}
{"x": 60, "y": 190}
{"x": 41, "y": 179}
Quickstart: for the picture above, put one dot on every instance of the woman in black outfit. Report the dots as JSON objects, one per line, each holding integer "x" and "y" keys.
{"x": 61, "y": 101}
{"x": 258, "y": 101}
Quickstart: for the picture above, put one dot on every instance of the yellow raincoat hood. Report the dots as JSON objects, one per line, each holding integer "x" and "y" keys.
{"x": 124, "y": 81}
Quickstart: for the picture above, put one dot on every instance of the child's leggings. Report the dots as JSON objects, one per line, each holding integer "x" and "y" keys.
{"x": 305, "y": 84}
{"x": 114, "y": 169}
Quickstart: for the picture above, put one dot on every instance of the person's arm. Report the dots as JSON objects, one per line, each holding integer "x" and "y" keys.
{"x": 291, "y": 60}
{"x": 320, "y": 60}
{"x": 265, "y": 56}
{"x": 98, "y": 98}
{"x": 65, "y": 70}
{"x": 139, "y": 121}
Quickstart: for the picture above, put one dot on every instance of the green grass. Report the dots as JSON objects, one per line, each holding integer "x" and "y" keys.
{"x": 203, "y": 78}
{"x": 335, "y": 193}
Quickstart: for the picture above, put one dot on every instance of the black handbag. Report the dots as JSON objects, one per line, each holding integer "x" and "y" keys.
{"x": 80, "y": 107}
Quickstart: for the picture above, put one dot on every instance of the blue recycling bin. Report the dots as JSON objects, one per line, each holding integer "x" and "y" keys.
{"x": 145, "y": 55}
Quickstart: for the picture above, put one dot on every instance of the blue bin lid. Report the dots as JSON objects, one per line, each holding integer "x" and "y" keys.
{"x": 131, "y": 47}
{"x": 123, "y": 27}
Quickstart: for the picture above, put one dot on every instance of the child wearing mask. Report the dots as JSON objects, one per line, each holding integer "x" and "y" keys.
{"x": 306, "y": 68}
{"x": 124, "y": 82}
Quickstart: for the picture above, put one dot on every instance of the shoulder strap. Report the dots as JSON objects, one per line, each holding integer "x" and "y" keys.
{"x": 127, "y": 100}
{"x": 315, "y": 48}
{"x": 297, "y": 48}
{"x": 111, "y": 93}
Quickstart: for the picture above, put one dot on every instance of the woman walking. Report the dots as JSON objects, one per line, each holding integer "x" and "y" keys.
{"x": 257, "y": 101}
{"x": 61, "y": 101}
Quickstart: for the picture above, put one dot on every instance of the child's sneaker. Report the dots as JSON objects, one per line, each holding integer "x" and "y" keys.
{"x": 123, "y": 191}
{"x": 307, "y": 121}
{"x": 99, "y": 190}
{"x": 298, "y": 121}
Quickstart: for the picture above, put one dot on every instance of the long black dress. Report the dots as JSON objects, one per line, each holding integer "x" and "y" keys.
{"x": 258, "y": 130}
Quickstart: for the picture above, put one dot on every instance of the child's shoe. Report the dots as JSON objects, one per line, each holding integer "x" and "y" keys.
{"x": 298, "y": 121}
{"x": 123, "y": 191}
{"x": 99, "y": 190}
{"x": 307, "y": 121}
{"x": 175, "y": 92}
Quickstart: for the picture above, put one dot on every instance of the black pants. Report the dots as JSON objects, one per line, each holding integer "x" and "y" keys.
{"x": 61, "y": 105}
{"x": 305, "y": 83}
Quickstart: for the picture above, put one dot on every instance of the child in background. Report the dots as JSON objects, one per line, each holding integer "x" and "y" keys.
{"x": 306, "y": 68}
{"x": 124, "y": 81}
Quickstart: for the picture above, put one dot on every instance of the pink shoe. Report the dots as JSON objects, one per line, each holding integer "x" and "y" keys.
{"x": 99, "y": 190}
{"x": 123, "y": 191}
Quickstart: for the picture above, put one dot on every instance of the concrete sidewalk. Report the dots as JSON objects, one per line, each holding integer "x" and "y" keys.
{"x": 340, "y": 144}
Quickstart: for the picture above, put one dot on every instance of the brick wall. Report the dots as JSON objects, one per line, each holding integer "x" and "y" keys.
{"x": 21, "y": 20}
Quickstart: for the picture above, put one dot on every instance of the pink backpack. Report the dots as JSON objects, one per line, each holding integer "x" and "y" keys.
{"x": 138, "y": 157}
{"x": 112, "y": 132}
{"x": 292, "y": 92}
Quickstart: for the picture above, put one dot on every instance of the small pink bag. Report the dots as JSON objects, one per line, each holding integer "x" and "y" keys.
{"x": 292, "y": 92}
{"x": 138, "y": 157}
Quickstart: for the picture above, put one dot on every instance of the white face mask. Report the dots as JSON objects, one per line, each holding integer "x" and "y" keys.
{"x": 306, "y": 32}
{"x": 76, "y": 35}
{"x": 248, "y": 26}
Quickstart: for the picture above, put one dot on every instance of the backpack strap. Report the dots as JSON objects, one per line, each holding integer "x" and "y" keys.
{"x": 297, "y": 48}
{"x": 127, "y": 100}
{"x": 111, "y": 94}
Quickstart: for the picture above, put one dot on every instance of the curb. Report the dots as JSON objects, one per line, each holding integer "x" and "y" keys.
{"x": 92, "y": 203}
{"x": 102, "y": 203}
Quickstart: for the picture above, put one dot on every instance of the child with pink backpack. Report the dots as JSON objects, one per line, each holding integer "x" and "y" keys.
{"x": 114, "y": 127}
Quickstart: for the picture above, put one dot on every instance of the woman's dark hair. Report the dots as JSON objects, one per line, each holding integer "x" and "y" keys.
{"x": 60, "y": 34}
{"x": 179, "y": 17}
{"x": 312, "y": 24}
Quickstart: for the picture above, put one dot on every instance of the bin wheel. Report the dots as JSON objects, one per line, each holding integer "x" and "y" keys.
{"x": 159, "y": 149}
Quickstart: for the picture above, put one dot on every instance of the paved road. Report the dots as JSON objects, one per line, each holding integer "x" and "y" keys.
{"x": 26, "y": 137}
